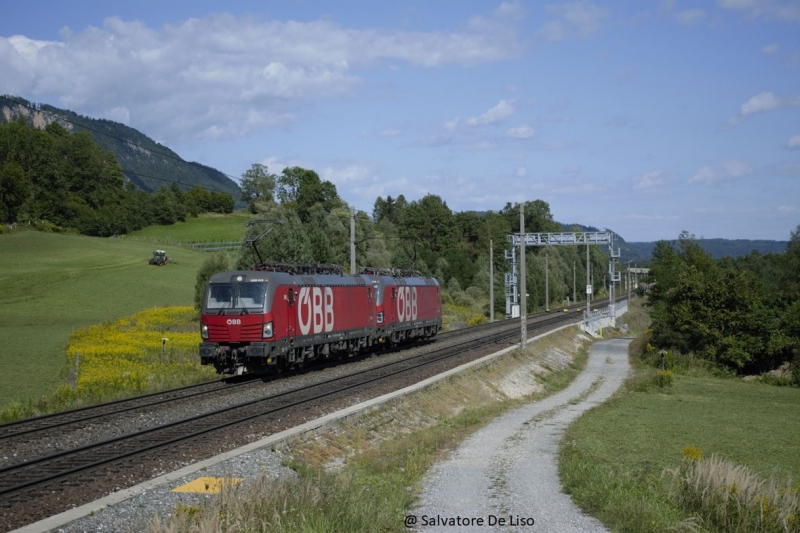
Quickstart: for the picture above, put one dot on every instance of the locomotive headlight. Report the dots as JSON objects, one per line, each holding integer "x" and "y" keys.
{"x": 267, "y": 332}
{"x": 380, "y": 317}
{"x": 204, "y": 331}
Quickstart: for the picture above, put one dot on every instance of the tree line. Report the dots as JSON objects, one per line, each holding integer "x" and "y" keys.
{"x": 740, "y": 314}
{"x": 425, "y": 235}
{"x": 65, "y": 182}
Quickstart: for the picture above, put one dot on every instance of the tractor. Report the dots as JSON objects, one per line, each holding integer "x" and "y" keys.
{"x": 159, "y": 258}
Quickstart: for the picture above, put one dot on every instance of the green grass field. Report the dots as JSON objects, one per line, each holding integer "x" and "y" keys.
{"x": 205, "y": 228}
{"x": 52, "y": 285}
{"x": 614, "y": 457}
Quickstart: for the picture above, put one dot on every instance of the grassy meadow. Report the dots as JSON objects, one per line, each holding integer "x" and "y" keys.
{"x": 618, "y": 460}
{"x": 52, "y": 285}
{"x": 208, "y": 227}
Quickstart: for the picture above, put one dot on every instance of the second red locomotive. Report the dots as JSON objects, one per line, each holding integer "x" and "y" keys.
{"x": 276, "y": 317}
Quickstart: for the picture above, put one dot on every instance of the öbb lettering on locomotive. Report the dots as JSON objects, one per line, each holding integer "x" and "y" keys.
{"x": 271, "y": 318}
{"x": 315, "y": 309}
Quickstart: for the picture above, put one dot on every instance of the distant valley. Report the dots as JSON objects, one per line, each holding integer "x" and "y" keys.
{"x": 642, "y": 252}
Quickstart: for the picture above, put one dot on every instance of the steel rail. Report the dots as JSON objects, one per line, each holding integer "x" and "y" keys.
{"x": 17, "y": 478}
{"x": 27, "y": 426}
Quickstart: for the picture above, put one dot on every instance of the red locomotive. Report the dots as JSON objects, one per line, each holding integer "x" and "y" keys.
{"x": 276, "y": 317}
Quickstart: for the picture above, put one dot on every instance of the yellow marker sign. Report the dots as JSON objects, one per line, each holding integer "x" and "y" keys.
{"x": 208, "y": 485}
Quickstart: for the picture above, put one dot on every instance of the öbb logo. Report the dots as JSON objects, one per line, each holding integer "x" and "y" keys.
{"x": 406, "y": 303}
{"x": 315, "y": 312}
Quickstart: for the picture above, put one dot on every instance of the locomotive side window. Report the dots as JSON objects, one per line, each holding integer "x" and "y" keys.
{"x": 291, "y": 297}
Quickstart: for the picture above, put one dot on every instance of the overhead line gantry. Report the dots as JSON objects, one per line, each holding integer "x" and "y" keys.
{"x": 561, "y": 239}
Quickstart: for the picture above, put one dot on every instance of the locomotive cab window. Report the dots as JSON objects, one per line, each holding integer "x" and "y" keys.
{"x": 245, "y": 295}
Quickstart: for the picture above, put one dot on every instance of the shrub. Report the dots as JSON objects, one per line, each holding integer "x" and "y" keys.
{"x": 476, "y": 320}
{"x": 664, "y": 379}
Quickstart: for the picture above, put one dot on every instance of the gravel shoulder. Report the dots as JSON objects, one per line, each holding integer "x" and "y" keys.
{"x": 509, "y": 469}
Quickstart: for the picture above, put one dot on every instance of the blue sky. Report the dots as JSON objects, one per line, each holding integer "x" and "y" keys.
{"x": 647, "y": 118}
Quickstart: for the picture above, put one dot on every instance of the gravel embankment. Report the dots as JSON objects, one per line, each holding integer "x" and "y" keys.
{"x": 509, "y": 469}
{"x": 170, "y": 460}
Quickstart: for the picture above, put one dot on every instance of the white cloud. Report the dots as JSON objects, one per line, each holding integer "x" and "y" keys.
{"x": 510, "y": 9}
{"x": 691, "y": 17}
{"x": 649, "y": 181}
{"x": 765, "y": 101}
{"x": 784, "y": 10}
{"x": 788, "y": 209}
{"x": 345, "y": 174}
{"x": 119, "y": 114}
{"x": 500, "y": 112}
{"x": 389, "y": 132}
{"x": 450, "y": 125}
{"x": 521, "y": 132}
{"x": 738, "y": 4}
{"x": 770, "y": 49}
{"x": 224, "y": 76}
{"x": 582, "y": 18}
{"x": 722, "y": 174}
{"x": 521, "y": 172}
{"x": 793, "y": 143}
{"x": 666, "y": 7}
{"x": 276, "y": 164}
{"x": 761, "y": 103}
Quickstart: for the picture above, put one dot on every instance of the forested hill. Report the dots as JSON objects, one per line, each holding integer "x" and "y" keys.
{"x": 717, "y": 248}
{"x": 642, "y": 252}
{"x": 140, "y": 156}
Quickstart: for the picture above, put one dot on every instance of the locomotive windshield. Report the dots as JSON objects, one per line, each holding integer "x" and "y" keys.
{"x": 248, "y": 296}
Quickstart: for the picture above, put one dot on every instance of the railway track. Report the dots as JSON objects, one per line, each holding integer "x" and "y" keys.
{"x": 27, "y": 488}
{"x": 76, "y": 417}
{"x": 51, "y": 421}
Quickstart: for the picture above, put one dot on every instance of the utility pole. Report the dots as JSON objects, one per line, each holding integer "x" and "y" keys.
{"x": 491, "y": 282}
{"x": 588, "y": 284}
{"x": 523, "y": 315}
{"x": 629, "y": 283}
{"x": 574, "y": 287}
{"x": 353, "y": 240}
{"x": 546, "y": 283}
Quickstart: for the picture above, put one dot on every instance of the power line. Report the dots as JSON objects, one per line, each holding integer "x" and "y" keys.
{"x": 127, "y": 141}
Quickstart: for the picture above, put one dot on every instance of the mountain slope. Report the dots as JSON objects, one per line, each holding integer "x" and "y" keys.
{"x": 148, "y": 164}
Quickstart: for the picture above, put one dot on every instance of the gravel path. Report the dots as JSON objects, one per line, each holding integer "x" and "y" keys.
{"x": 509, "y": 469}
